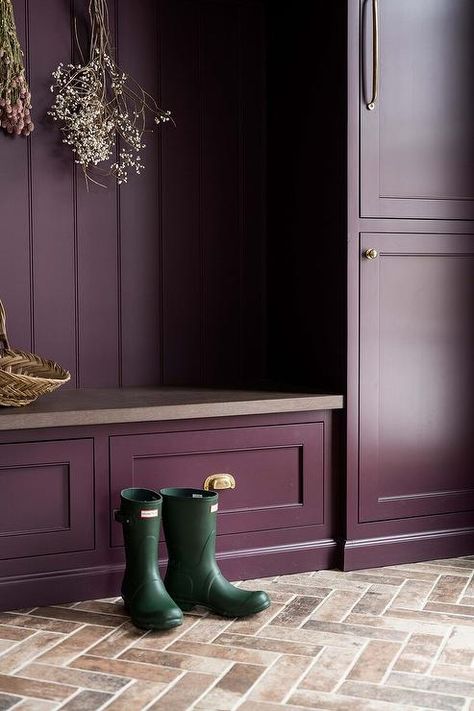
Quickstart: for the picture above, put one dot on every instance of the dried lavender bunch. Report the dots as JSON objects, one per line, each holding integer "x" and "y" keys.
{"x": 15, "y": 97}
{"x": 96, "y": 103}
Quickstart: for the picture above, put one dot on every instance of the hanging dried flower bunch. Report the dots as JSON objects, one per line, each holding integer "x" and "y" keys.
{"x": 96, "y": 103}
{"x": 15, "y": 97}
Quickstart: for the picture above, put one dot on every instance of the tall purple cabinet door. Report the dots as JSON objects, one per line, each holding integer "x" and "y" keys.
{"x": 417, "y": 376}
{"x": 417, "y": 143}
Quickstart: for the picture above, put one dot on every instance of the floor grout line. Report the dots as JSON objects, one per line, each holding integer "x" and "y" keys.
{"x": 352, "y": 608}
{"x": 212, "y": 686}
{"x": 246, "y": 695}
{"x": 70, "y": 698}
{"x": 461, "y": 595}
{"x": 293, "y": 688}
{"x": 310, "y": 616}
{"x": 17, "y": 644}
{"x": 425, "y": 691}
{"x": 16, "y": 671}
{"x": 118, "y": 694}
{"x": 83, "y": 651}
{"x": 441, "y": 648}
{"x": 350, "y": 668}
{"x": 167, "y": 688}
{"x": 395, "y": 659}
{"x": 17, "y": 703}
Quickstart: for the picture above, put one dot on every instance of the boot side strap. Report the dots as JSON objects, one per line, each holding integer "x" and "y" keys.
{"x": 121, "y": 517}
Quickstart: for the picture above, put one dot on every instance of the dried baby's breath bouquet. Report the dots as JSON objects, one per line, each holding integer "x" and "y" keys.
{"x": 96, "y": 103}
{"x": 15, "y": 97}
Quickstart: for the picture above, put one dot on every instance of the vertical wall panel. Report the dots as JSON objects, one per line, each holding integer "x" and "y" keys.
{"x": 15, "y": 286}
{"x": 252, "y": 222}
{"x": 140, "y": 207}
{"x": 98, "y": 294}
{"x": 97, "y": 232}
{"x": 182, "y": 285}
{"x": 213, "y": 192}
{"x": 220, "y": 193}
{"x": 52, "y": 195}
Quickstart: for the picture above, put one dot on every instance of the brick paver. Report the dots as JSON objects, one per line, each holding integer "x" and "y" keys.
{"x": 400, "y": 637}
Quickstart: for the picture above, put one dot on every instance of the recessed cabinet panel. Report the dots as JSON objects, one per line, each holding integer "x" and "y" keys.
{"x": 26, "y": 484}
{"x": 417, "y": 147}
{"x": 278, "y": 470}
{"x": 46, "y": 493}
{"x": 417, "y": 377}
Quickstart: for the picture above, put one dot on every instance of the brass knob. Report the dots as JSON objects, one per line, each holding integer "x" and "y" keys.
{"x": 371, "y": 253}
{"x": 219, "y": 481}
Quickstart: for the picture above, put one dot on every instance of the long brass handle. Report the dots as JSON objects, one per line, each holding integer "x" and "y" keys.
{"x": 219, "y": 481}
{"x": 375, "y": 55}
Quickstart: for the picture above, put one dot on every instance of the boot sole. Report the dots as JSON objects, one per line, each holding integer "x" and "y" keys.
{"x": 149, "y": 626}
{"x": 187, "y": 606}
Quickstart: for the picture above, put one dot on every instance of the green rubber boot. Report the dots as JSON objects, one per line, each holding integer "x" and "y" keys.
{"x": 143, "y": 592}
{"x": 193, "y": 576}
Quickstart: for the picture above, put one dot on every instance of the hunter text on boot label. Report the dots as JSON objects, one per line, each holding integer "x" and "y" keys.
{"x": 214, "y": 507}
{"x": 149, "y": 513}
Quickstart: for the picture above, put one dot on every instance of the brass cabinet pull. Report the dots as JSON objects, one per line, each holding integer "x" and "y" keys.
{"x": 371, "y": 254}
{"x": 375, "y": 55}
{"x": 219, "y": 481}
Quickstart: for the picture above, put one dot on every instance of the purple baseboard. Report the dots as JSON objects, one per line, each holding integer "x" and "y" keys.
{"x": 104, "y": 581}
{"x": 412, "y": 548}
{"x": 59, "y": 587}
{"x": 279, "y": 560}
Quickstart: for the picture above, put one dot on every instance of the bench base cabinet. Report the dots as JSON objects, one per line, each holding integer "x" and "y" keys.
{"x": 279, "y": 518}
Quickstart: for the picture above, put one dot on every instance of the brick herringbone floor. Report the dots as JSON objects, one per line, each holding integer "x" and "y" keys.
{"x": 392, "y": 638}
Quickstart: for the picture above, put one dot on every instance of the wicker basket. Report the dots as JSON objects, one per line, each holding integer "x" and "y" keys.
{"x": 25, "y": 376}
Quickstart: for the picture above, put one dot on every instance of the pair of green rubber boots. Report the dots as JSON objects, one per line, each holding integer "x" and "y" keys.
{"x": 193, "y": 576}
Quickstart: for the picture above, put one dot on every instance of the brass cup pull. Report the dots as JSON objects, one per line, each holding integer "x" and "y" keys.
{"x": 219, "y": 481}
{"x": 371, "y": 253}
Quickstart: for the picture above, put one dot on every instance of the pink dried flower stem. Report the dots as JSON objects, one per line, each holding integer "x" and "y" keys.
{"x": 15, "y": 96}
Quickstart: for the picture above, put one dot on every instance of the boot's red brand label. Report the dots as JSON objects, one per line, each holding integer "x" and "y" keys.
{"x": 214, "y": 507}
{"x": 149, "y": 513}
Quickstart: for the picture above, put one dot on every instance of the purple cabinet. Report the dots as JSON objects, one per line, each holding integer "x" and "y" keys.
{"x": 410, "y": 396}
{"x": 417, "y": 151}
{"x": 46, "y": 498}
{"x": 58, "y": 540}
{"x": 279, "y": 472}
{"x": 416, "y": 376}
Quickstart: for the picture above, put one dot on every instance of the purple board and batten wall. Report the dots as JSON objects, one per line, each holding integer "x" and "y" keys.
{"x": 160, "y": 281}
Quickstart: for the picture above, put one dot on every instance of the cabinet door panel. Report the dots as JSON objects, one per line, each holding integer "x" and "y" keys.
{"x": 46, "y": 494}
{"x": 417, "y": 376}
{"x": 417, "y": 146}
{"x": 279, "y": 471}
